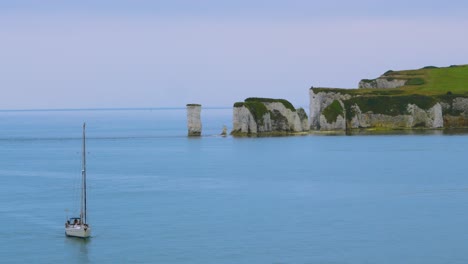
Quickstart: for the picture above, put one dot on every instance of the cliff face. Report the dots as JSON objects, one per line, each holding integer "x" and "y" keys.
{"x": 346, "y": 110}
{"x": 264, "y": 115}
{"x": 455, "y": 112}
{"x": 415, "y": 117}
{"x": 303, "y": 118}
{"x": 318, "y": 102}
{"x": 381, "y": 83}
{"x": 244, "y": 121}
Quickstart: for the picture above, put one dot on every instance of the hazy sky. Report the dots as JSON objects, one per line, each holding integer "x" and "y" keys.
{"x": 110, "y": 53}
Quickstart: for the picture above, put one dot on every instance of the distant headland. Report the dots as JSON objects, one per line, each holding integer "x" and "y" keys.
{"x": 427, "y": 98}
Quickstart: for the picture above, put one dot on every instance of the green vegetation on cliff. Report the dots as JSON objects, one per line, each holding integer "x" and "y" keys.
{"x": 257, "y": 109}
{"x": 332, "y": 111}
{"x": 388, "y": 105}
{"x": 448, "y": 99}
{"x": 429, "y": 81}
{"x": 302, "y": 114}
{"x": 423, "y": 88}
{"x": 269, "y": 116}
{"x": 286, "y": 103}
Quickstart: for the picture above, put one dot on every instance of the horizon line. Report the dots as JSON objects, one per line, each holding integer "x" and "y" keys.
{"x": 105, "y": 109}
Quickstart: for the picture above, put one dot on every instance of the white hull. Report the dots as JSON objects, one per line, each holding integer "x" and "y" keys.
{"x": 78, "y": 231}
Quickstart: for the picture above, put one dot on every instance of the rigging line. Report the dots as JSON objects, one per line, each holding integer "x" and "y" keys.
{"x": 76, "y": 180}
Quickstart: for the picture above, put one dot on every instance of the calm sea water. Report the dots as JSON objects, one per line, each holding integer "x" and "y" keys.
{"x": 156, "y": 196}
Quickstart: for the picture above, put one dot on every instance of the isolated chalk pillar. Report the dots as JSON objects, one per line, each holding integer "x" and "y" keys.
{"x": 193, "y": 120}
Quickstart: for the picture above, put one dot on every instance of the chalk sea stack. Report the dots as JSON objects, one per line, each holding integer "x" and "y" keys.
{"x": 194, "y": 124}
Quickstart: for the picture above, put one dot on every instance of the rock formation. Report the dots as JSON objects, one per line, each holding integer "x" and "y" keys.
{"x": 382, "y": 82}
{"x": 343, "y": 109}
{"x": 194, "y": 120}
{"x": 430, "y": 97}
{"x": 264, "y": 115}
{"x": 303, "y": 118}
{"x": 319, "y": 101}
{"x": 224, "y": 132}
{"x": 426, "y": 98}
{"x": 415, "y": 118}
{"x": 455, "y": 112}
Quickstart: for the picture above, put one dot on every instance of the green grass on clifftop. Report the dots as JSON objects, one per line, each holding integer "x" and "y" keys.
{"x": 286, "y": 103}
{"x": 429, "y": 80}
{"x": 432, "y": 80}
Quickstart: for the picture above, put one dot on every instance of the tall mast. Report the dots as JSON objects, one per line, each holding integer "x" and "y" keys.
{"x": 83, "y": 174}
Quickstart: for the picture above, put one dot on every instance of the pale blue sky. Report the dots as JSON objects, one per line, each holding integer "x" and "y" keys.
{"x": 58, "y": 54}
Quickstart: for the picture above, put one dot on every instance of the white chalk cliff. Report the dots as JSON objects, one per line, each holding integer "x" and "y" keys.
{"x": 318, "y": 102}
{"x": 438, "y": 112}
{"x": 416, "y": 117}
{"x": 271, "y": 117}
{"x": 382, "y": 83}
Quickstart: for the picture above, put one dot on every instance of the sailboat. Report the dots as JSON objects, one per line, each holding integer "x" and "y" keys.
{"x": 78, "y": 226}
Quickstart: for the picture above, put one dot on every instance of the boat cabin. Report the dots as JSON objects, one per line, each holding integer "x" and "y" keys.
{"x": 74, "y": 221}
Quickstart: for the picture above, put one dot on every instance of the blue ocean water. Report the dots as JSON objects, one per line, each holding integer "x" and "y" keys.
{"x": 156, "y": 196}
